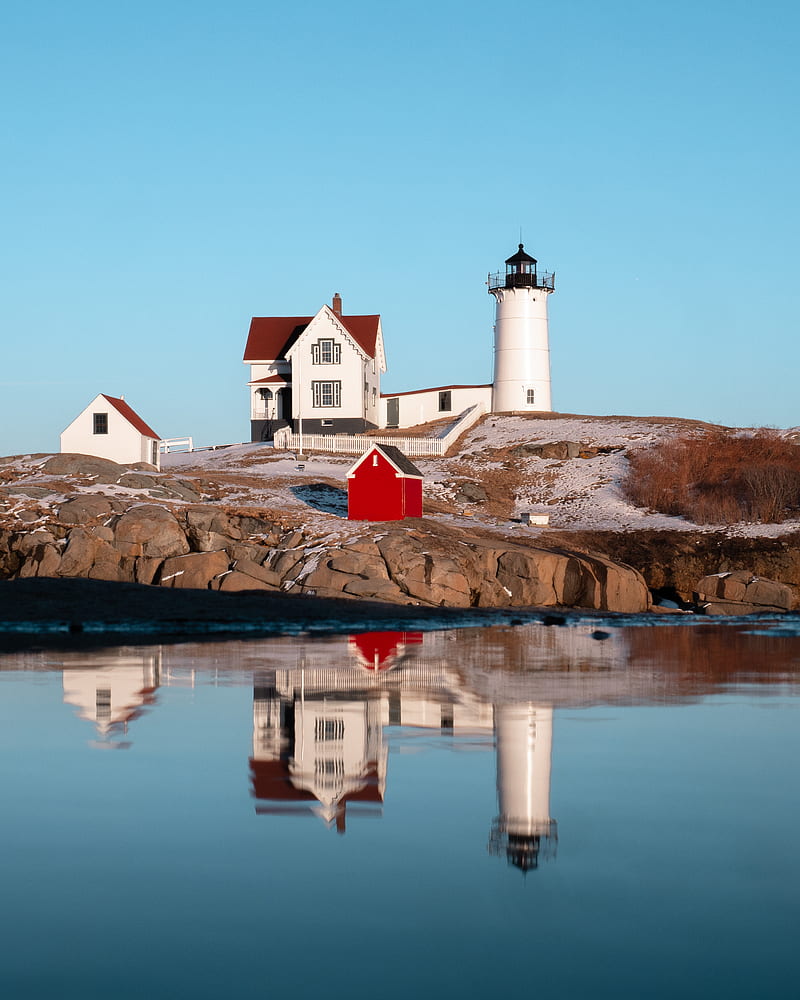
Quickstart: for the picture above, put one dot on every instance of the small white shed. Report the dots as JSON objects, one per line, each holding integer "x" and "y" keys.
{"x": 109, "y": 428}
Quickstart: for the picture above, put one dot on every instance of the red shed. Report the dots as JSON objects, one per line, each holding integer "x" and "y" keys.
{"x": 384, "y": 485}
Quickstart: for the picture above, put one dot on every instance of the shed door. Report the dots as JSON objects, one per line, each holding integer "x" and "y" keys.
{"x": 393, "y": 412}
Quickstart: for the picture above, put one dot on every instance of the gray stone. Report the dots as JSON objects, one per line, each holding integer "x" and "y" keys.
{"x": 34, "y": 492}
{"x": 102, "y": 470}
{"x": 138, "y": 481}
{"x": 83, "y": 510}
{"x": 470, "y": 492}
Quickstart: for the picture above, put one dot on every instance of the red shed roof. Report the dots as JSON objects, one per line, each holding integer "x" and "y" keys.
{"x": 271, "y": 337}
{"x": 405, "y": 467}
{"x": 131, "y": 416}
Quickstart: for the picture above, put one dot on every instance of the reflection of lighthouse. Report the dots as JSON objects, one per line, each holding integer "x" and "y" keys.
{"x": 523, "y": 831}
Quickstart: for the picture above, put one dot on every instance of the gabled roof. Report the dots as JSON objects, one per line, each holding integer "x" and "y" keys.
{"x": 394, "y": 456}
{"x": 131, "y": 416}
{"x": 270, "y": 337}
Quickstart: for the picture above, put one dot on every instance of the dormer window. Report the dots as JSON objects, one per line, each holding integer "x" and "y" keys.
{"x": 326, "y": 352}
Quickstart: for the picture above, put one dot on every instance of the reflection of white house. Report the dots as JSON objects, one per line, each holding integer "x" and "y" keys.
{"x": 318, "y": 743}
{"x": 112, "y": 697}
{"x": 324, "y": 370}
{"x": 109, "y": 428}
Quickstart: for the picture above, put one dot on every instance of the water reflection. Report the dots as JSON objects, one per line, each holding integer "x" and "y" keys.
{"x": 318, "y": 727}
{"x": 111, "y": 697}
{"x": 455, "y": 739}
{"x": 524, "y": 831}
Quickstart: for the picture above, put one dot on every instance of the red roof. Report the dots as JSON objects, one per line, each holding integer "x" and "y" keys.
{"x": 132, "y": 417}
{"x": 271, "y": 337}
{"x": 270, "y": 378}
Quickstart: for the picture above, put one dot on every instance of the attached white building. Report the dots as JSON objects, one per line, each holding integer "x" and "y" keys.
{"x": 323, "y": 370}
{"x": 109, "y": 428}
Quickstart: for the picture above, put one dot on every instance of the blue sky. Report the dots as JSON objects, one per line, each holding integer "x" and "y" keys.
{"x": 170, "y": 169}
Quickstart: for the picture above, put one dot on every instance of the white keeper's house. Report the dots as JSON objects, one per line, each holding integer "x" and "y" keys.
{"x": 323, "y": 372}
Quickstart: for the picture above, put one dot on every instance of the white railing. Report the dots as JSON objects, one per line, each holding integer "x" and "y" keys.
{"x": 349, "y": 444}
{"x": 168, "y": 445}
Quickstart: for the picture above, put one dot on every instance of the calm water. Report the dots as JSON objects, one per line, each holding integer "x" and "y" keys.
{"x": 514, "y": 811}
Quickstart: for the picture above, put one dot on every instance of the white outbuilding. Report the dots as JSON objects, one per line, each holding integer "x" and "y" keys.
{"x": 109, "y": 428}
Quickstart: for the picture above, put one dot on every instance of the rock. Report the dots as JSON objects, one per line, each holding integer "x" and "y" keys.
{"x": 549, "y": 449}
{"x": 379, "y": 590}
{"x": 28, "y": 516}
{"x": 83, "y": 510}
{"x": 102, "y": 470}
{"x": 242, "y": 551}
{"x": 618, "y": 587}
{"x": 415, "y": 571}
{"x": 138, "y": 481}
{"x": 33, "y": 492}
{"x": 79, "y": 554}
{"x": 149, "y": 531}
{"x": 43, "y": 560}
{"x": 742, "y": 587}
{"x": 146, "y": 570}
{"x": 182, "y": 489}
{"x": 771, "y": 593}
{"x": 249, "y": 525}
{"x": 257, "y": 573}
{"x": 470, "y": 492}
{"x": 234, "y": 582}
{"x": 26, "y": 544}
{"x": 369, "y": 565}
{"x": 720, "y": 607}
{"x": 195, "y": 571}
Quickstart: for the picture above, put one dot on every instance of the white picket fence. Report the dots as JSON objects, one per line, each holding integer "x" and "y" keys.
{"x": 348, "y": 444}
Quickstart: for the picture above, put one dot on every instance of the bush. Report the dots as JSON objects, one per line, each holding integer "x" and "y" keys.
{"x": 718, "y": 478}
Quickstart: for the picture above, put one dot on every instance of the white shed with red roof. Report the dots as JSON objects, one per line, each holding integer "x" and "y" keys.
{"x": 384, "y": 485}
{"x": 109, "y": 428}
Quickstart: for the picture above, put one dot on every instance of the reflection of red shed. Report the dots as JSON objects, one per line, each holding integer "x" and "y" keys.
{"x": 381, "y": 650}
{"x": 384, "y": 485}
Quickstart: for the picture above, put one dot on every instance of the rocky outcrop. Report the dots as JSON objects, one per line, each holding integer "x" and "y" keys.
{"x": 561, "y": 450}
{"x": 676, "y": 560}
{"x": 203, "y": 547}
{"x": 741, "y": 593}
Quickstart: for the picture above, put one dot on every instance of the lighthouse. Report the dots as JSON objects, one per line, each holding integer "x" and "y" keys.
{"x": 521, "y": 343}
{"x": 524, "y": 831}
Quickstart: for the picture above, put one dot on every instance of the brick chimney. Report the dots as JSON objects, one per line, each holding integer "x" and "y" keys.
{"x": 337, "y": 304}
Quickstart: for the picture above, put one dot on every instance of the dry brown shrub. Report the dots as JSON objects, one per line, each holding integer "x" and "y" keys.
{"x": 720, "y": 477}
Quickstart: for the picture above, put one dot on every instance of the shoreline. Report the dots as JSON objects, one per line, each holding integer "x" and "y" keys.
{"x": 73, "y": 613}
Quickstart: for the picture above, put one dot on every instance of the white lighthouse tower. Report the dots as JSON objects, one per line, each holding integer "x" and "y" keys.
{"x": 521, "y": 343}
{"x": 524, "y": 831}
